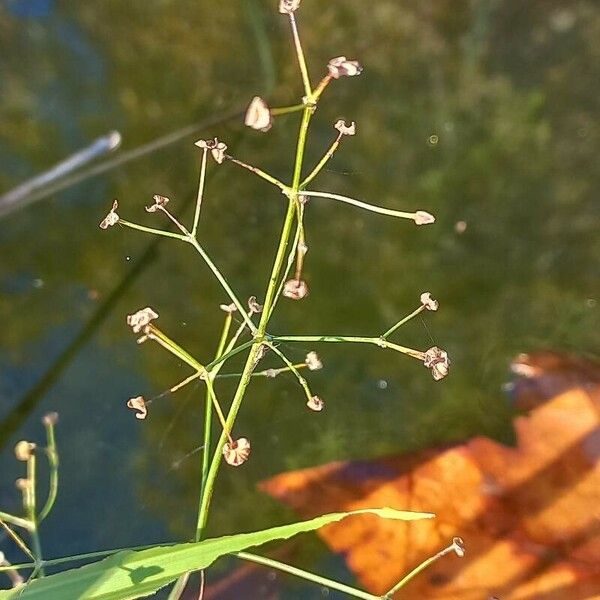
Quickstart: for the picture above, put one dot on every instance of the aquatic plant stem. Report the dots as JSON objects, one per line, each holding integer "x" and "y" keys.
{"x": 286, "y": 110}
{"x": 365, "y": 205}
{"x": 399, "y": 324}
{"x": 301, "y": 380}
{"x": 200, "y": 192}
{"x": 259, "y": 172}
{"x": 14, "y": 520}
{"x": 330, "y": 152}
{"x": 52, "y": 454}
{"x": 300, "y": 55}
{"x": 260, "y": 333}
{"x": 16, "y": 538}
{"x": 377, "y": 341}
{"x": 324, "y": 581}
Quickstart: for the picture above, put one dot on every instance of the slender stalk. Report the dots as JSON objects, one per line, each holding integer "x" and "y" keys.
{"x": 213, "y": 397}
{"x": 372, "y": 207}
{"x": 324, "y": 581}
{"x": 175, "y": 221}
{"x": 260, "y": 334}
{"x": 321, "y": 87}
{"x": 145, "y": 229}
{"x": 418, "y": 569}
{"x": 301, "y": 380}
{"x": 330, "y": 152}
{"x": 211, "y": 265}
{"x": 284, "y": 110}
{"x": 167, "y": 343}
{"x": 402, "y": 321}
{"x": 13, "y": 520}
{"x": 377, "y": 341}
{"x": 29, "y": 497}
{"x": 52, "y": 455}
{"x": 200, "y": 192}
{"x": 300, "y": 55}
{"x": 17, "y": 539}
{"x": 264, "y": 175}
{"x": 266, "y": 373}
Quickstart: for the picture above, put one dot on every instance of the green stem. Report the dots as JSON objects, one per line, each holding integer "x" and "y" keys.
{"x": 377, "y": 341}
{"x": 265, "y": 373}
{"x": 373, "y": 208}
{"x": 324, "y": 581}
{"x": 418, "y": 569}
{"x": 284, "y": 110}
{"x": 200, "y": 192}
{"x": 52, "y": 455}
{"x": 330, "y": 152}
{"x": 300, "y": 55}
{"x": 30, "y": 509}
{"x": 211, "y": 265}
{"x": 301, "y": 380}
{"x": 169, "y": 234}
{"x": 167, "y": 343}
{"x": 13, "y": 520}
{"x": 264, "y": 175}
{"x": 402, "y": 321}
{"x": 265, "y": 315}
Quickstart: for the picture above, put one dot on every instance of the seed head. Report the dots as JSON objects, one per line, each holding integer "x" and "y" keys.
{"x": 112, "y": 218}
{"x": 458, "y": 546}
{"x": 258, "y": 116}
{"x": 24, "y": 450}
{"x": 217, "y": 148}
{"x": 139, "y": 405}
{"x": 316, "y": 404}
{"x": 345, "y": 129}
{"x": 437, "y": 360}
{"x": 295, "y": 289}
{"x": 50, "y": 418}
{"x": 423, "y": 218}
{"x": 228, "y": 308}
{"x": 313, "y": 361}
{"x": 159, "y": 202}
{"x": 428, "y": 302}
{"x": 342, "y": 67}
{"x": 236, "y": 452}
{"x": 138, "y": 321}
{"x": 289, "y": 6}
{"x": 254, "y": 306}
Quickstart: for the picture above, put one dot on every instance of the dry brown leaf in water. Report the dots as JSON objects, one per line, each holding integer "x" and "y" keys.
{"x": 529, "y": 515}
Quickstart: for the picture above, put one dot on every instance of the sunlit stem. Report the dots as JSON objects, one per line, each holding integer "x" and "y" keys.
{"x": 321, "y": 87}
{"x": 402, "y": 321}
{"x": 29, "y": 504}
{"x": 211, "y": 265}
{"x": 377, "y": 341}
{"x": 200, "y": 192}
{"x": 301, "y": 244}
{"x": 183, "y": 383}
{"x": 259, "y": 336}
{"x": 211, "y": 392}
{"x": 301, "y": 380}
{"x": 288, "y": 267}
{"x": 322, "y": 162}
{"x": 221, "y": 279}
{"x": 208, "y": 410}
{"x": 371, "y": 207}
{"x": 153, "y": 333}
{"x": 17, "y": 539}
{"x": 258, "y": 172}
{"x": 418, "y": 569}
{"x": 300, "y": 55}
{"x": 145, "y": 229}
{"x": 173, "y": 220}
{"x": 14, "y": 520}
{"x": 52, "y": 454}
{"x": 270, "y": 373}
{"x": 324, "y": 581}
{"x": 284, "y": 110}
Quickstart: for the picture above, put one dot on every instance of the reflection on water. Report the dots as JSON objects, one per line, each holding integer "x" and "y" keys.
{"x": 484, "y": 113}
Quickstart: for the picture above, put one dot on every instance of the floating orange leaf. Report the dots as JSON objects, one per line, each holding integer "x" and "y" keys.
{"x": 529, "y": 515}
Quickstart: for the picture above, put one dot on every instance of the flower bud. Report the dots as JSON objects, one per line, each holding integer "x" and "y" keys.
{"x": 258, "y": 116}
{"x": 137, "y": 321}
{"x": 112, "y": 218}
{"x": 236, "y": 452}
{"x": 342, "y": 67}
{"x": 139, "y": 405}
{"x": 24, "y": 450}
{"x": 295, "y": 289}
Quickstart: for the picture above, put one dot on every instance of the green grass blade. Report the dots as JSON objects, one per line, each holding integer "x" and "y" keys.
{"x": 134, "y": 574}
